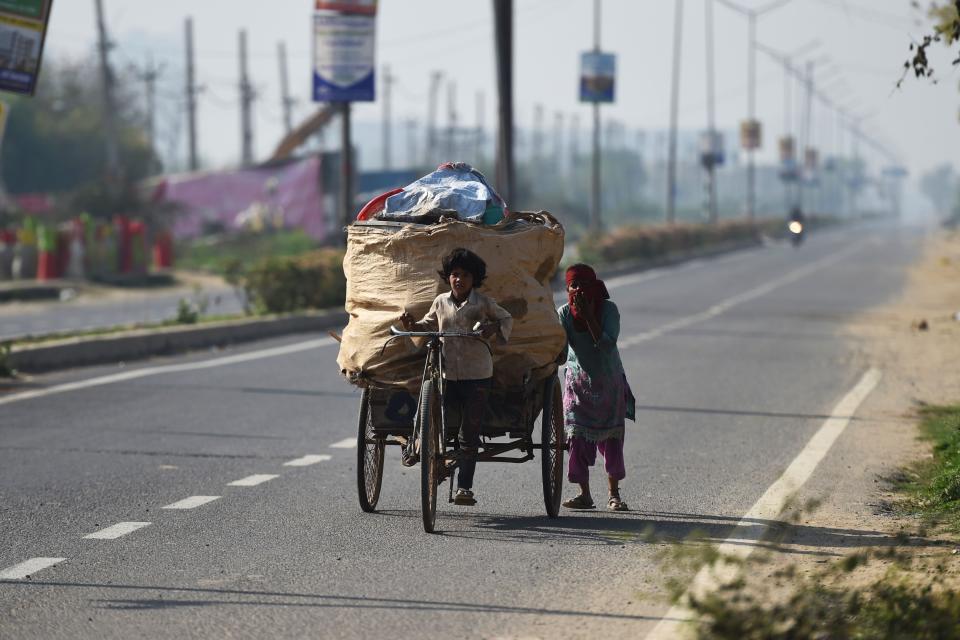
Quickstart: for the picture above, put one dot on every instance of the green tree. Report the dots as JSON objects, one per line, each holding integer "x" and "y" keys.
{"x": 55, "y": 142}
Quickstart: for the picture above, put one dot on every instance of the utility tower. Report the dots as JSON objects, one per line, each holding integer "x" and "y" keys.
{"x": 430, "y": 151}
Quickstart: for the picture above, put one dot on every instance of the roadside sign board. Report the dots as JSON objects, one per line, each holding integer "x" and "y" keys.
{"x": 597, "y": 76}
{"x": 343, "y": 57}
{"x": 23, "y": 28}
{"x": 368, "y": 7}
{"x": 751, "y": 134}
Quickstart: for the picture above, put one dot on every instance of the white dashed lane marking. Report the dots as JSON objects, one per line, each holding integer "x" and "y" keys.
{"x": 346, "y": 443}
{"x": 306, "y": 461}
{"x": 31, "y": 566}
{"x": 116, "y": 531}
{"x": 192, "y": 502}
{"x": 252, "y": 481}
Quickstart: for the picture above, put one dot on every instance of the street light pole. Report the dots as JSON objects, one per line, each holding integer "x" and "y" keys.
{"x": 752, "y": 16}
{"x": 596, "y": 223}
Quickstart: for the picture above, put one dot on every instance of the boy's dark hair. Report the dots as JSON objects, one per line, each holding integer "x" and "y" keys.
{"x": 466, "y": 260}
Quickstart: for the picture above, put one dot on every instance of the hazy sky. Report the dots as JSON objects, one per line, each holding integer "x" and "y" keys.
{"x": 865, "y": 42}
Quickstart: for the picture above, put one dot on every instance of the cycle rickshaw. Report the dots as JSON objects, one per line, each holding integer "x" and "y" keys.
{"x": 524, "y": 417}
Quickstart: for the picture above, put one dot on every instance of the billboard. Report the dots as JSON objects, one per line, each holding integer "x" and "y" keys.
{"x": 597, "y": 76}
{"x": 368, "y": 7}
{"x": 23, "y": 27}
{"x": 343, "y": 57}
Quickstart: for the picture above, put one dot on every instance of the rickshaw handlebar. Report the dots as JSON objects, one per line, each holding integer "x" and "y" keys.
{"x": 435, "y": 334}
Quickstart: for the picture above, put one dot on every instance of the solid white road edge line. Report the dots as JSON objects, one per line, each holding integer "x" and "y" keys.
{"x": 252, "y": 481}
{"x": 192, "y": 502}
{"x": 116, "y": 531}
{"x": 346, "y": 443}
{"x": 768, "y": 507}
{"x": 171, "y": 368}
{"x": 28, "y": 567}
{"x": 307, "y": 460}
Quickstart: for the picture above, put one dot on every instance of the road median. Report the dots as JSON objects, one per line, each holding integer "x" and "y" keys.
{"x": 137, "y": 344}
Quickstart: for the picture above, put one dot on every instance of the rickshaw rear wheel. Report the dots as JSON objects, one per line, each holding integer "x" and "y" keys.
{"x": 431, "y": 452}
{"x": 369, "y": 458}
{"x": 552, "y": 441}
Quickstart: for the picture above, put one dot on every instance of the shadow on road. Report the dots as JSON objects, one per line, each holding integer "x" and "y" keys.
{"x": 253, "y": 597}
{"x": 597, "y": 528}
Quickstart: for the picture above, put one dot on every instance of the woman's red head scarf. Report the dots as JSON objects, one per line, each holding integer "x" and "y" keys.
{"x": 593, "y": 290}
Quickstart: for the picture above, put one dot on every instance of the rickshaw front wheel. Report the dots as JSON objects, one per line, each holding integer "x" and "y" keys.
{"x": 431, "y": 452}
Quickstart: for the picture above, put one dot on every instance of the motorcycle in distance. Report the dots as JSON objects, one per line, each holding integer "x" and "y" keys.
{"x": 795, "y": 227}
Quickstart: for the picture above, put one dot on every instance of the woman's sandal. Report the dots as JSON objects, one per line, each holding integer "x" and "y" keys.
{"x": 579, "y": 502}
{"x": 616, "y": 504}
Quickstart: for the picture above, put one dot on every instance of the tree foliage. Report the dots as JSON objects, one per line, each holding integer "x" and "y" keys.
{"x": 946, "y": 30}
{"x": 55, "y": 141}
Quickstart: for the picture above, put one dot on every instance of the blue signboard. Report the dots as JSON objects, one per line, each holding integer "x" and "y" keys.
{"x": 343, "y": 57}
{"x": 597, "y": 76}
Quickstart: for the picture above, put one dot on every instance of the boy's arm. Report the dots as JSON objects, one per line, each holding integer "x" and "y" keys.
{"x": 429, "y": 322}
{"x": 503, "y": 318}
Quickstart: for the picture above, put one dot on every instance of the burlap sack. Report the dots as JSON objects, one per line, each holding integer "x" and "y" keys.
{"x": 392, "y": 267}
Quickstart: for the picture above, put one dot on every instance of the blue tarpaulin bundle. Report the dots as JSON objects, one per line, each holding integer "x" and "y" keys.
{"x": 452, "y": 187}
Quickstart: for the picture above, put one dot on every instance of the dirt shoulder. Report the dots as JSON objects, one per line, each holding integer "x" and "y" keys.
{"x": 915, "y": 341}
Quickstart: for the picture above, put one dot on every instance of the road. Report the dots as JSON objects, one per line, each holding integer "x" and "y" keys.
{"x": 735, "y": 363}
{"x": 19, "y": 319}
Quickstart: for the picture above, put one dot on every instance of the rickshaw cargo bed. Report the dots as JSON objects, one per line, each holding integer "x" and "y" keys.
{"x": 392, "y": 268}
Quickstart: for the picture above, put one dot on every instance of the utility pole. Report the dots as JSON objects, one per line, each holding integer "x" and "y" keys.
{"x": 805, "y": 134}
{"x": 451, "y": 145}
{"x": 150, "y": 75}
{"x": 557, "y": 160}
{"x": 537, "y": 133}
{"x": 711, "y": 151}
{"x": 387, "y": 126}
{"x": 246, "y": 105}
{"x": 430, "y": 152}
{"x": 503, "y": 19}
{"x": 479, "y": 134}
{"x": 674, "y": 108}
{"x": 192, "y": 163}
{"x": 411, "y": 156}
{"x": 596, "y": 223}
{"x": 286, "y": 102}
{"x": 346, "y": 167}
{"x": 114, "y": 170}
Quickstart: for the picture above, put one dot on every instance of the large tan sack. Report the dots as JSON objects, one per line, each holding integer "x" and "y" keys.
{"x": 392, "y": 267}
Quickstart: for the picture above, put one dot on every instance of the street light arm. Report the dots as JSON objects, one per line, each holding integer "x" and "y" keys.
{"x": 735, "y": 7}
{"x": 771, "y": 7}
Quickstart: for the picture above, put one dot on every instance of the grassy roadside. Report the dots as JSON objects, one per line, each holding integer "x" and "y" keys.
{"x": 932, "y": 486}
{"x": 900, "y": 591}
{"x": 223, "y": 255}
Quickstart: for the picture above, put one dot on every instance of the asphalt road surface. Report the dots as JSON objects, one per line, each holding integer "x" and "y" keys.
{"x": 735, "y": 363}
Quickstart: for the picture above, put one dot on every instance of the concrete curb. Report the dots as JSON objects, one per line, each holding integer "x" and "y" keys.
{"x": 145, "y": 343}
